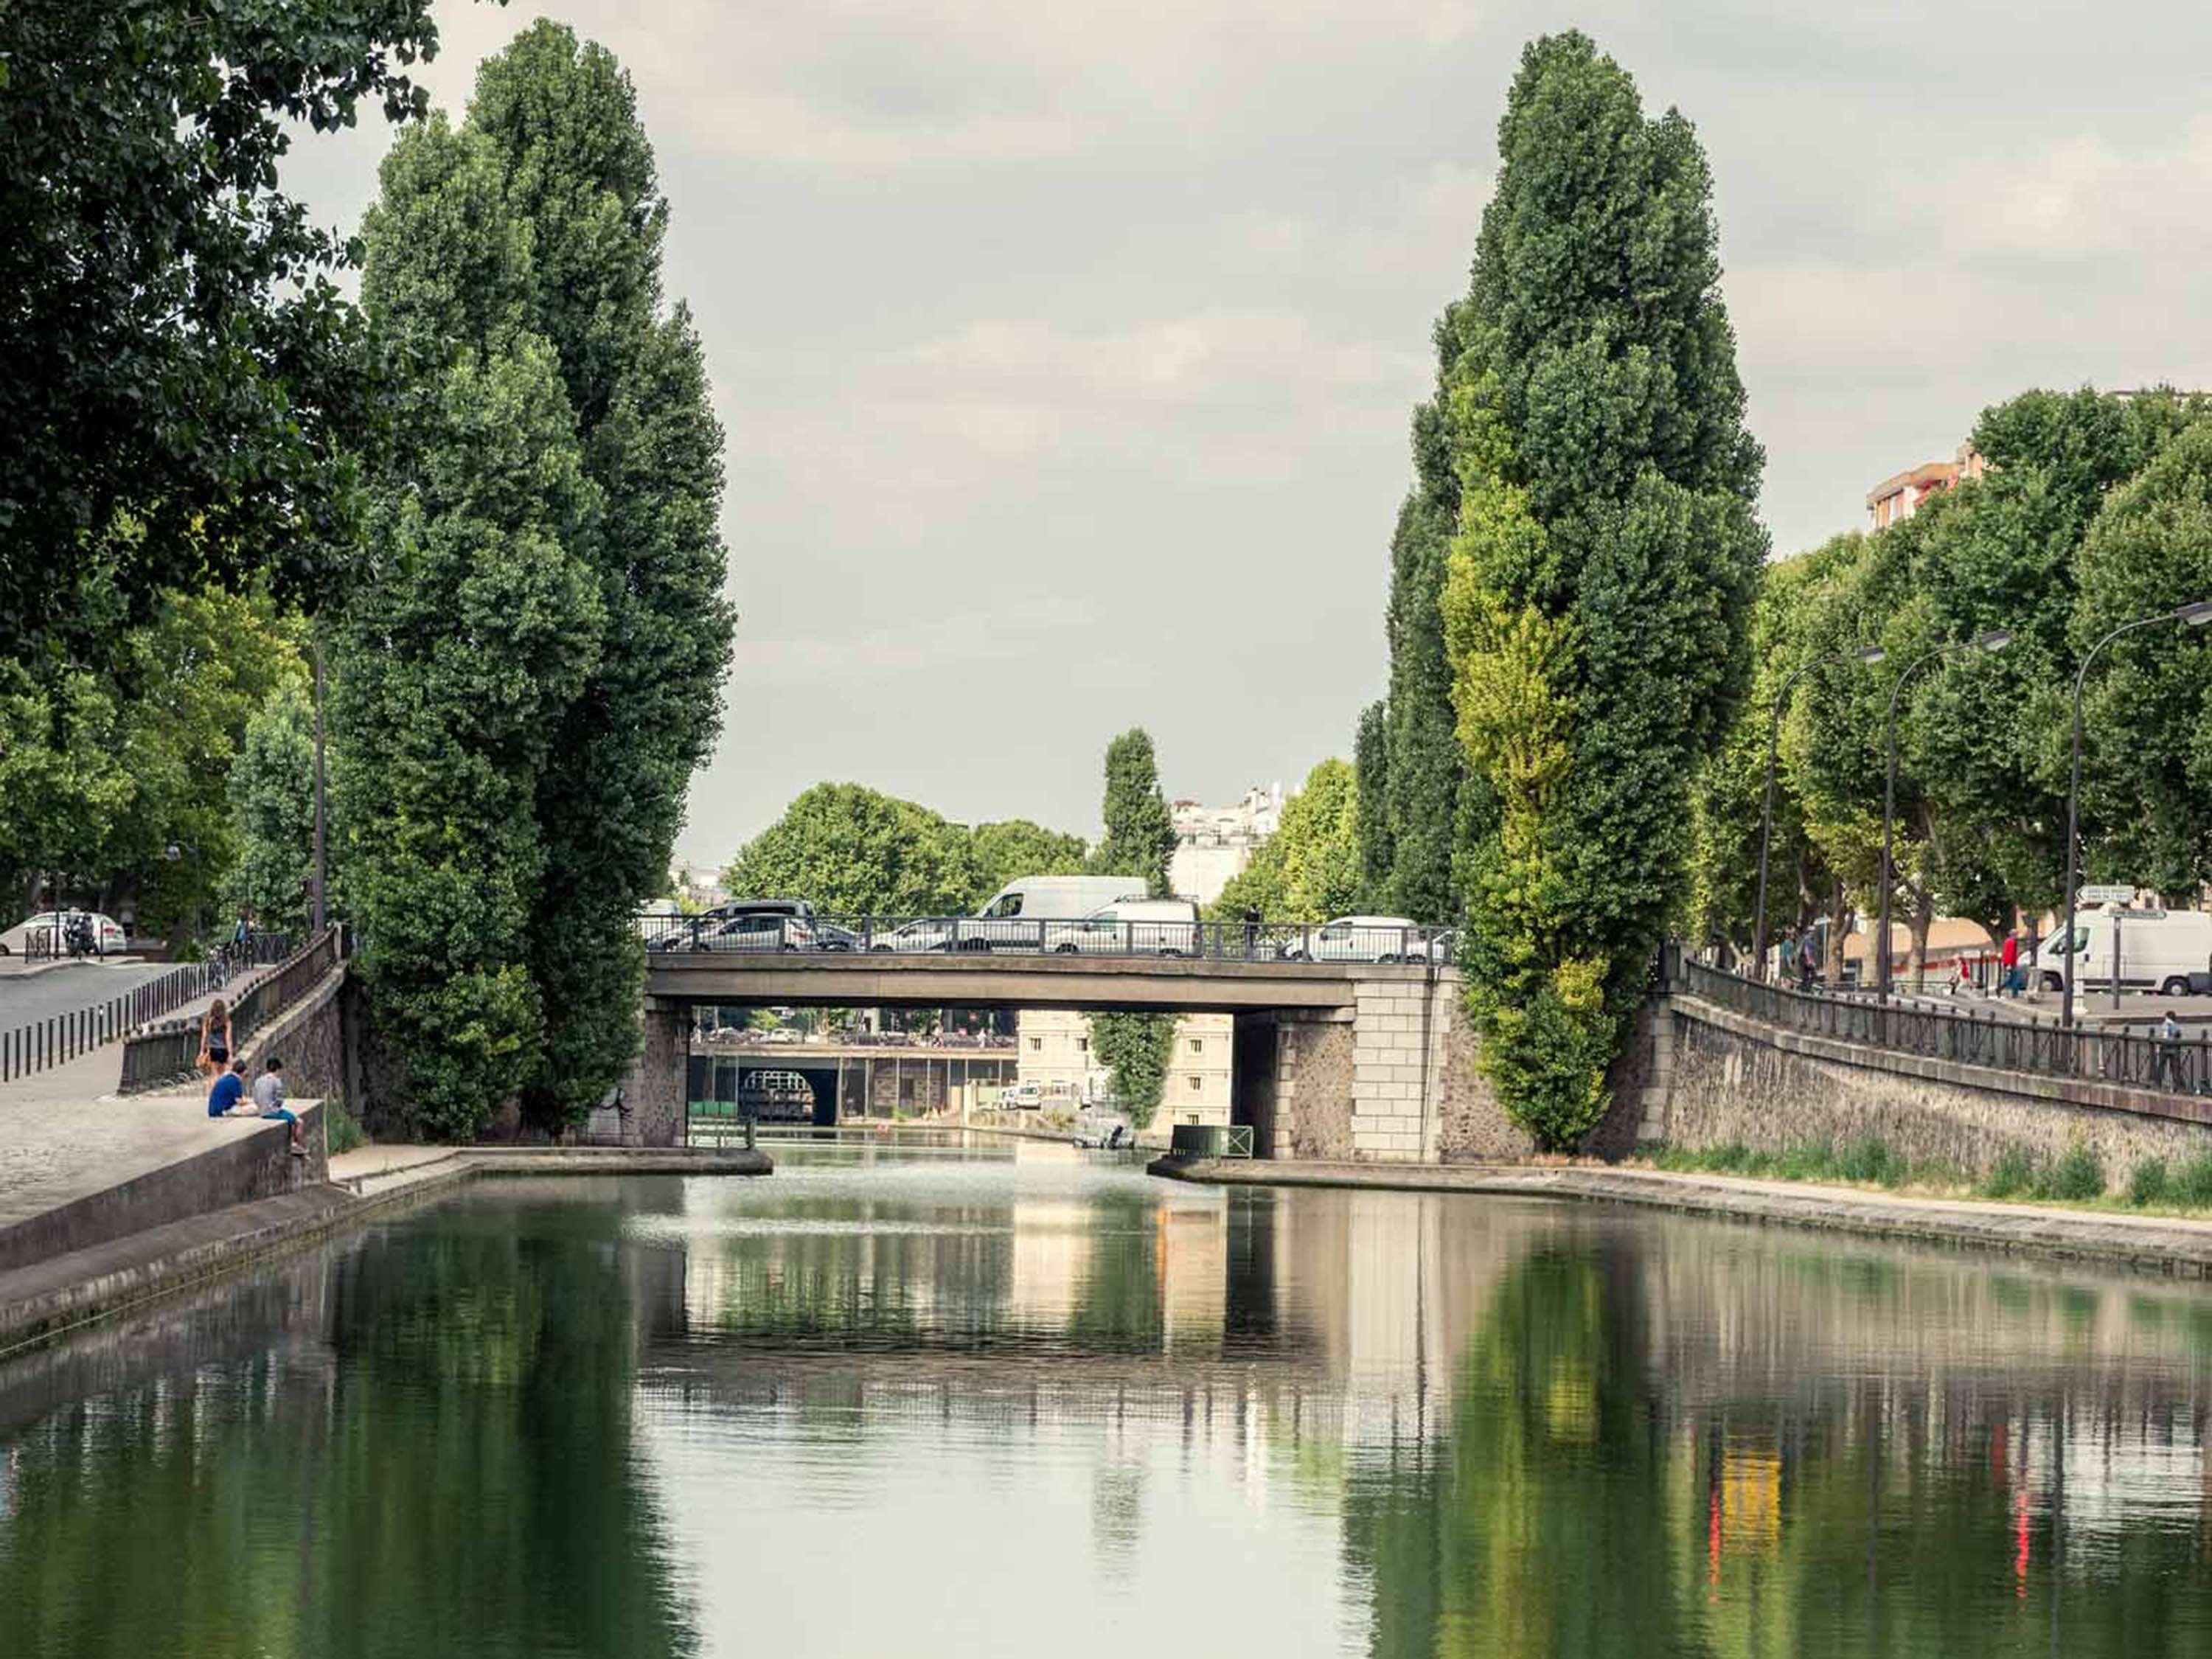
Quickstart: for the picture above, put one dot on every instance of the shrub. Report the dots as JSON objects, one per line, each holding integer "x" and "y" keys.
{"x": 2012, "y": 1174}
{"x": 2192, "y": 1182}
{"x": 340, "y": 1130}
{"x": 1871, "y": 1159}
{"x": 2150, "y": 1183}
{"x": 2075, "y": 1177}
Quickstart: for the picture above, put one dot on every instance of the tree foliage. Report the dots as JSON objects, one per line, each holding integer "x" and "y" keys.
{"x": 1312, "y": 868}
{"x": 1427, "y": 798}
{"x": 1603, "y": 562}
{"x": 1140, "y": 838}
{"x": 1014, "y": 848}
{"x": 850, "y": 850}
{"x": 1135, "y": 1048}
{"x": 176, "y": 349}
{"x": 519, "y": 256}
{"x": 272, "y": 796}
{"x": 1370, "y": 762}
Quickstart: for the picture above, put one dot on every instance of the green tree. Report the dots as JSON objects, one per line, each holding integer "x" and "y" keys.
{"x": 2147, "y": 745}
{"x": 1371, "y": 761}
{"x": 176, "y": 349}
{"x": 853, "y": 851}
{"x": 1598, "y": 581}
{"x": 1140, "y": 840}
{"x": 477, "y": 629}
{"x": 1014, "y": 848}
{"x": 1427, "y": 795}
{"x": 1312, "y": 868}
{"x": 272, "y": 793}
{"x": 1140, "y": 836}
{"x": 1135, "y": 1048}
{"x": 576, "y": 175}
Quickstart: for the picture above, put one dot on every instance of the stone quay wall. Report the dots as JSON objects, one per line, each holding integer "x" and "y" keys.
{"x": 1735, "y": 1081}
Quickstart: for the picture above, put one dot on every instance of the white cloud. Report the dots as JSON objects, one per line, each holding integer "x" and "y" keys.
{"x": 2084, "y": 194}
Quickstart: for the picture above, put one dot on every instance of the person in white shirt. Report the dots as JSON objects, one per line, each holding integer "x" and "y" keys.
{"x": 268, "y": 1102}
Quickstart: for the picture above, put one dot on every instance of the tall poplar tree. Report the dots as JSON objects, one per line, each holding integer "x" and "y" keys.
{"x": 1140, "y": 840}
{"x": 1606, "y": 548}
{"x": 558, "y": 120}
{"x": 1425, "y": 774}
{"x": 515, "y": 262}
{"x": 1139, "y": 837}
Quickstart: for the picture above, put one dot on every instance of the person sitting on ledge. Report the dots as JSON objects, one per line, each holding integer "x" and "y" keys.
{"x": 269, "y": 1100}
{"x": 229, "y": 1089}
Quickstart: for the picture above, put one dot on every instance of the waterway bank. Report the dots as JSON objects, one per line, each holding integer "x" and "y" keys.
{"x": 2160, "y": 1244}
{"x": 45, "y": 1299}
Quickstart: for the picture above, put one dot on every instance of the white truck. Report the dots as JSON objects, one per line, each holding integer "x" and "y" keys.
{"x": 2158, "y": 950}
{"x": 1017, "y": 916}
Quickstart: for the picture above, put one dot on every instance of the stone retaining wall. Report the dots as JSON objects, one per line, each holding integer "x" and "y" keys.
{"x": 1736, "y": 1082}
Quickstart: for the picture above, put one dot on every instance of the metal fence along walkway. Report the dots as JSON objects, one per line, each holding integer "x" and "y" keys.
{"x": 167, "y": 1053}
{"x": 60, "y": 1038}
{"x": 2128, "y": 1059}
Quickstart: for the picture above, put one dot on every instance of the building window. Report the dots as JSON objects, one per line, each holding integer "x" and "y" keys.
{"x": 1037, "y": 1045}
{"x": 1082, "y": 1045}
{"x": 1197, "y": 1046}
{"x": 1197, "y": 1083}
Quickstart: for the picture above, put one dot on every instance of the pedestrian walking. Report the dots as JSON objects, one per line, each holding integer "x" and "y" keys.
{"x": 1789, "y": 955}
{"x": 2166, "y": 1058}
{"x": 2008, "y": 962}
{"x": 1808, "y": 959}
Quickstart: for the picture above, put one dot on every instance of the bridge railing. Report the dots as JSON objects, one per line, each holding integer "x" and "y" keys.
{"x": 1213, "y": 941}
{"x": 166, "y": 1053}
{"x": 2133, "y": 1058}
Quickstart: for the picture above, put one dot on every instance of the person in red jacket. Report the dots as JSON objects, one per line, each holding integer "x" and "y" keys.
{"x": 2009, "y": 959}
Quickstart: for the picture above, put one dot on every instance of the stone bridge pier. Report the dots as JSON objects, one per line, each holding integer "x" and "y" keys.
{"x": 1389, "y": 1078}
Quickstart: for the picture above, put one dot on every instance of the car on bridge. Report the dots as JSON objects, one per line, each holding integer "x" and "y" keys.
{"x": 1166, "y": 928}
{"x": 758, "y": 931}
{"x": 929, "y": 934}
{"x": 1357, "y": 938}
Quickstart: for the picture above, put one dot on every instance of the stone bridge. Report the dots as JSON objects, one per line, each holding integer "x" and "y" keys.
{"x": 1332, "y": 1060}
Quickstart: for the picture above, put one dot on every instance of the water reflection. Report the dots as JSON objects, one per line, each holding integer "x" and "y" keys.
{"x": 990, "y": 1402}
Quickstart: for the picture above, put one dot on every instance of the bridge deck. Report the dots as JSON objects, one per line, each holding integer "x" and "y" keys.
{"x": 993, "y": 979}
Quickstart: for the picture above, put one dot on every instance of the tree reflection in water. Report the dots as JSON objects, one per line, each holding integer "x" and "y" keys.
{"x": 1001, "y": 1402}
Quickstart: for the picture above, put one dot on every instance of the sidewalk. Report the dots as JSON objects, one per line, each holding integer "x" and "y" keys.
{"x": 2169, "y": 1244}
{"x": 96, "y": 1074}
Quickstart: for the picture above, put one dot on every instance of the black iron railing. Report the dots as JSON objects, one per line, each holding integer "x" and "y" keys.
{"x": 168, "y": 1052}
{"x": 2133, "y": 1058}
{"x": 60, "y": 1038}
{"x": 1213, "y": 941}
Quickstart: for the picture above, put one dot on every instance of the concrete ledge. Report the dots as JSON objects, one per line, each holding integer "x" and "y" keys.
{"x": 255, "y": 1164}
{"x": 49, "y": 1298}
{"x": 2150, "y": 1244}
{"x": 2069, "y": 1091}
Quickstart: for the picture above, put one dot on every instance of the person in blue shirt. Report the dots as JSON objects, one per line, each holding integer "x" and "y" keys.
{"x": 229, "y": 1089}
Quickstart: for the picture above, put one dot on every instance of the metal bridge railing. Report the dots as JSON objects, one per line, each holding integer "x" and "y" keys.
{"x": 166, "y": 1053}
{"x": 1210, "y": 1140}
{"x": 39, "y": 1045}
{"x": 1212, "y": 941}
{"x": 2131, "y": 1059}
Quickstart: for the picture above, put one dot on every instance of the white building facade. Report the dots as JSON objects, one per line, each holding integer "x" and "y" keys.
{"x": 1053, "y": 1049}
{"x": 1213, "y": 843}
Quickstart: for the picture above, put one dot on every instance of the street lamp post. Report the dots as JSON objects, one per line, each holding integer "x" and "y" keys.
{"x": 1995, "y": 639}
{"x": 2195, "y": 615}
{"x": 1872, "y": 654}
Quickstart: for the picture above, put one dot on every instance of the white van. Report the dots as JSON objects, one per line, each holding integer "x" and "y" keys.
{"x": 1014, "y": 918}
{"x": 1164, "y": 927}
{"x": 2158, "y": 949}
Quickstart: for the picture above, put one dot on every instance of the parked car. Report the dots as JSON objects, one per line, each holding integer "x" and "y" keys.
{"x": 48, "y": 926}
{"x": 1167, "y": 927}
{"x": 1357, "y": 938}
{"x": 1022, "y": 1097}
{"x": 759, "y": 931}
{"x": 931, "y": 933}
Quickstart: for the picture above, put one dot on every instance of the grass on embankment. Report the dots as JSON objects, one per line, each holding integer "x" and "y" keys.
{"x": 2075, "y": 1177}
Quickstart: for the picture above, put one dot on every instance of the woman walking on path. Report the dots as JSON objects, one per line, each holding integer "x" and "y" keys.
{"x": 214, "y": 1039}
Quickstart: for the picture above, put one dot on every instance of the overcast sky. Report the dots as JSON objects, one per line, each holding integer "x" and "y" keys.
{"x": 1064, "y": 349}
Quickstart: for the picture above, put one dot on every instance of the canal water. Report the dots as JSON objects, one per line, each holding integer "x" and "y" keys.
{"x": 946, "y": 1401}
